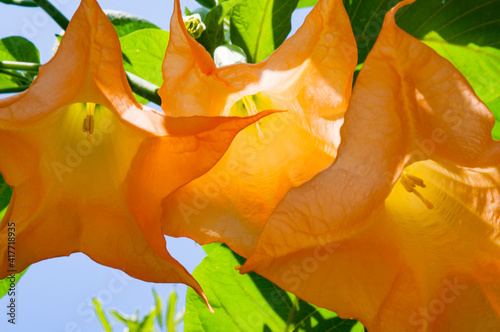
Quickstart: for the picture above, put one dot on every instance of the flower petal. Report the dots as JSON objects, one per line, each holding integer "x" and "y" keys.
{"x": 310, "y": 76}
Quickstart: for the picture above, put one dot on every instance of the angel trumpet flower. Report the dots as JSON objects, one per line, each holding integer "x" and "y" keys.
{"x": 90, "y": 166}
{"x": 310, "y": 76}
{"x": 402, "y": 231}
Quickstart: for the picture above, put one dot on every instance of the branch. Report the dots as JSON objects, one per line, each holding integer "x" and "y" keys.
{"x": 53, "y": 12}
{"x": 139, "y": 85}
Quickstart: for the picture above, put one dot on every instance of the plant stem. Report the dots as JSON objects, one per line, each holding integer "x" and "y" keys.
{"x": 139, "y": 85}
{"x": 53, "y": 12}
{"x": 14, "y": 74}
{"x": 14, "y": 89}
{"x": 144, "y": 88}
{"x": 26, "y": 66}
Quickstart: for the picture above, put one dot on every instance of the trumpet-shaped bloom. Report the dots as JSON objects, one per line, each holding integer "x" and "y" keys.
{"x": 310, "y": 76}
{"x": 90, "y": 166}
{"x": 403, "y": 231}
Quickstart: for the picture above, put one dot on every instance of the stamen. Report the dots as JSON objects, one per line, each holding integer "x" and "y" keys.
{"x": 252, "y": 109}
{"x": 409, "y": 182}
{"x": 88, "y": 121}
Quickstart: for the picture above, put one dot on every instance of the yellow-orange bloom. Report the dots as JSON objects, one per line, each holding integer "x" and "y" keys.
{"x": 310, "y": 76}
{"x": 90, "y": 166}
{"x": 403, "y": 231}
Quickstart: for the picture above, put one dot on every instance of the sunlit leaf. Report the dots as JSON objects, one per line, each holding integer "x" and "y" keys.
{"x": 143, "y": 53}
{"x": 260, "y": 26}
{"x": 101, "y": 315}
{"x": 481, "y": 67}
{"x": 457, "y": 21}
{"x": 7, "y": 283}
{"x": 158, "y": 308}
{"x": 172, "y": 301}
{"x": 252, "y": 303}
{"x": 306, "y": 3}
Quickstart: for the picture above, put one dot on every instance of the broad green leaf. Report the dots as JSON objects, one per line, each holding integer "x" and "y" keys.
{"x": 213, "y": 36}
{"x": 126, "y": 23}
{"x": 208, "y": 248}
{"x": 5, "y": 194}
{"x": 101, "y": 315}
{"x": 307, "y": 3}
{"x": 24, "y": 3}
{"x": 143, "y": 53}
{"x": 260, "y": 26}
{"x": 481, "y": 67}
{"x": 250, "y": 302}
{"x": 17, "y": 49}
{"x": 207, "y": 3}
{"x": 457, "y": 21}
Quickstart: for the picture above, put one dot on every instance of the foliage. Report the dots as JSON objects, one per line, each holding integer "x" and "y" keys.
{"x": 262, "y": 306}
{"x": 166, "y": 320}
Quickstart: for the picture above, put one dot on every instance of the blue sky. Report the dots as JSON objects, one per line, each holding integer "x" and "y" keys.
{"x": 56, "y": 294}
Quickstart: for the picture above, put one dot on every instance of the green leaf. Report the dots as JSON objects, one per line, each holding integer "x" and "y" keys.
{"x": 6, "y": 284}
{"x": 307, "y": 3}
{"x": 147, "y": 324}
{"x": 172, "y": 301}
{"x": 457, "y": 21}
{"x": 143, "y": 53}
{"x": 207, "y": 3}
{"x": 260, "y": 26}
{"x": 126, "y": 23}
{"x": 131, "y": 322}
{"x": 5, "y": 193}
{"x": 250, "y": 302}
{"x": 24, "y": 3}
{"x": 101, "y": 315}
{"x": 158, "y": 308}
{"x": 17, "y": 49}
{"x": 213, "y": 36}
{"x": 481, "y": 67}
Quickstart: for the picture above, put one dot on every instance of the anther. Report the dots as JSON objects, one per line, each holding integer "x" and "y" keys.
{"x": 88, "y": 121}
{"x": 409, "y": 182}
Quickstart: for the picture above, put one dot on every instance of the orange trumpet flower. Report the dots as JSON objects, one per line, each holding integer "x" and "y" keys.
{"x": 90, "y": 166}
{"x": 402, "y": 231}
{"x": 310, "y": 76}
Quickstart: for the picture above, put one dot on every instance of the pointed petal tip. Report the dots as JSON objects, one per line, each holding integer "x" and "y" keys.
{"x": 204, "y": 297}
